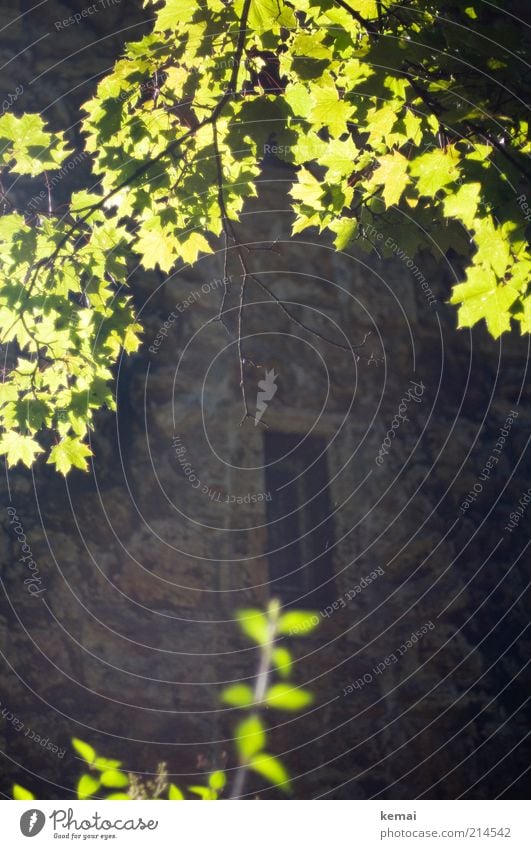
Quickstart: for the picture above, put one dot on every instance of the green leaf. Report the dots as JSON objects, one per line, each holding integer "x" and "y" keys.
{"x": 298, "y": 623}
{"x": 21, "y": 794}
{"x": 68, "y": 453}
{"x": 26, "y": 147}
{"x": 114, "y": 778}
{"x": 87, "y": 786}
{"x": 329, "y": 110}
{"x": 192, "y": 246}
{"x": 284, "y": 697}
{"x": 217, "y": 780}
{"x": 380, "y": 123}
{"x": 299, "y": 98}
{"x": 174, "y": 793}
{"x": 272, "y": 769}
{"x": 345, "y": 230}
{"x": 282, "y": 661}
{"x": 493, "y": 247}
{"x": 119, "y": 796}
{"x": 19, "y": 448}
{"x": 237, "y": 695}
{"x": 254, "y": 624}
{"x": 250, "y": 737}
{"x": 482, "y": 297}
{"x": 463, "y": 203}
{"x": 339, "y": 158}
{"x": 204, "y": 792}
{"x": 435, "y": 169}
{"x": 104, "y": 764}
{"x": 156, "y": 245}
{"x": 87, "y": 752}
{"x": 392, "y": 174}
{"x": 175, "y": 13}
{"x": 268, "y": 15}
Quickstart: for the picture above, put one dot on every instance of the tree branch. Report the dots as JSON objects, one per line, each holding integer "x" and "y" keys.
{"x": 368, "y": 25}
{"x": 145, "y": 167}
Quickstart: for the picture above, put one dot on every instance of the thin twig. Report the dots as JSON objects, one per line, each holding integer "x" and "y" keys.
{"x": 230, "y": 233}
{"x": 241, "y": 304}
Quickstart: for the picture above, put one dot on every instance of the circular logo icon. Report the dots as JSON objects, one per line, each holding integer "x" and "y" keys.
{"x": 32, "y": 822}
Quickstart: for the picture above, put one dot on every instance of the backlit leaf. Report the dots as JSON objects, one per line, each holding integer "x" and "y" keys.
{"x": 87, "y": 786}
{"x": 273, "y": 770}
{"x": 250, "y": 737}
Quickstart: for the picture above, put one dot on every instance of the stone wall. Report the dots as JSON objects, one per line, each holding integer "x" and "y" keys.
{"x": 134, "y": 636}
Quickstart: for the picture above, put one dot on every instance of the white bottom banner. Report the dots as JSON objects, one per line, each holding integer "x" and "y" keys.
{"x": 239, "y": 825}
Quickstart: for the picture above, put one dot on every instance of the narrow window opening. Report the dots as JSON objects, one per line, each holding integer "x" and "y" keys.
{"x": 299, "y": 523}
